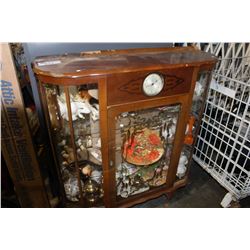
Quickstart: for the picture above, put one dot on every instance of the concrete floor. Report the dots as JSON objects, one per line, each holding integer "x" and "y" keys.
{"x": 202, "y": 191}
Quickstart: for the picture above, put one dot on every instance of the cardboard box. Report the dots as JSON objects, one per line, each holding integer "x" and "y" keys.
{"x": 16, "y": 140}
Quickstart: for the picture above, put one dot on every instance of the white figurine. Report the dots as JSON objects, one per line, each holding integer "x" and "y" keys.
{"x": 77, "y": 108}
{"x": 89, "y": 142}
{"x": 172, "y": 129}
{"x": 164, "y": 131}
{"x": 168, "y": 129}
{"x": 181, "y": 170}
{"x": 93, "y": 109}
{"x": 98, "y": 143}
{"x": 198, "y": 91}
{"x": 95, "y": 112}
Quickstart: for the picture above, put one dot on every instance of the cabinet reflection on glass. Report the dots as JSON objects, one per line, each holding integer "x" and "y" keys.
{"x": 144, "y": 141}
{"x": 87, "y": 143}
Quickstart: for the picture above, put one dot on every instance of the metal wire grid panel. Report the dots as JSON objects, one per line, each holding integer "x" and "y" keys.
{"x": 234, "y": 58}
{"x": 223, "y": 144}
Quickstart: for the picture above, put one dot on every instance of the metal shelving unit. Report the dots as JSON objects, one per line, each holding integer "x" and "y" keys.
{"x": 223, "y": 143}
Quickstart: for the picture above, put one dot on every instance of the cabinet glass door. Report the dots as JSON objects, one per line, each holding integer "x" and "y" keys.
{"x": 76, "y": 138}
{"x": 143, "y": 147}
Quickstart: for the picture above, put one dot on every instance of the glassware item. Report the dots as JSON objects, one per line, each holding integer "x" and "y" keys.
{"x": 199, "y": 92}
{"x": 96, "y": 176}
{"x": 72, "y": 189}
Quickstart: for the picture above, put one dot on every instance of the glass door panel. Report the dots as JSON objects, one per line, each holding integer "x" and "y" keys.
{"x": 143, "y": 147}
{"x": 78, "y": 153}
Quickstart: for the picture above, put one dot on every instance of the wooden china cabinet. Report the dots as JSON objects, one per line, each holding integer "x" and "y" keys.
{"x": 118, "y": 119}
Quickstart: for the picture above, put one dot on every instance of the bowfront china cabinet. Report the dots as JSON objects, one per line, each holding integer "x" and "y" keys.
{"x": 123, "y": 123}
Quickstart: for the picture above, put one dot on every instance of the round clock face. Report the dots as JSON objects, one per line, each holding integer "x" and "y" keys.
{"x": 153, "y": 84}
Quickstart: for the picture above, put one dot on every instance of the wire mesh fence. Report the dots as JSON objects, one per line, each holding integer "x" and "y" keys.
{"x": 223, "y": 143}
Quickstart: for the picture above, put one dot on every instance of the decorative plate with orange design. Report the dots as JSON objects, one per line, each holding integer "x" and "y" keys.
{"x": 143, "y": 148}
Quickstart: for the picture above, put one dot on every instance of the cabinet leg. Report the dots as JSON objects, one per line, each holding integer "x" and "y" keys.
{"x": 170, "y": 195}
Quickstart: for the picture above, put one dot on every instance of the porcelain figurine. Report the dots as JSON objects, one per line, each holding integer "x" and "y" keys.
{"x": 89, "y": 142}
{"x": 95, "y": 155}
{"x": 68, "y": 154}
{"x": 78, "y": 108}
{"x": 198, "y": 91}
{"x": 87, "y": 170}
{"x": 96, "y": 176}
{"x": 98, "y": 143}
{"x": 189, "y": 139}
{"x": 85, "y": 98}
{"x": 79, "y": 143}
{"x": 82, "y": 154}
{"x": 95, "y": 112}
{"x": 164, "y": 131}
{"x": 171, "y": 128}
{"x": 181, "y": 170}
{"x": 71, "y": 189}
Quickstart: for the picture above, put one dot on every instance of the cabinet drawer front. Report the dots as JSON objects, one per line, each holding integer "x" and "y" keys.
{"x": 127, "y": 87}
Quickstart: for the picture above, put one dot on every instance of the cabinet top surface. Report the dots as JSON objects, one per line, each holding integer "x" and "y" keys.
{"x": 120, "y": 61}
